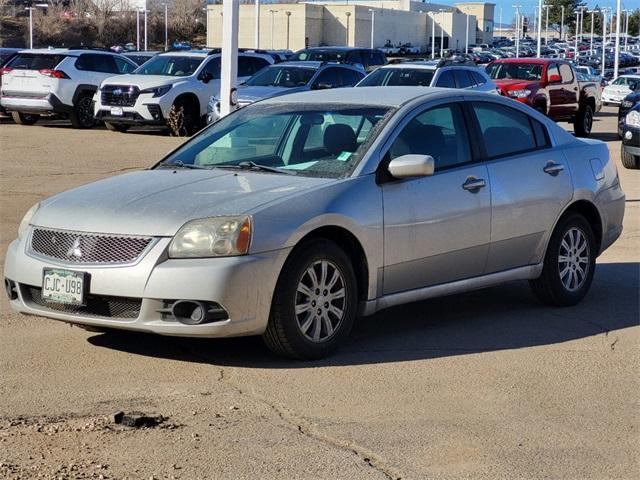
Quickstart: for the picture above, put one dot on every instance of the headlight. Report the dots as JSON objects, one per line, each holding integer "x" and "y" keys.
{"x": 24, "y": 224}
{"x": 633, "y": 119}
{"x": 157, "y": 91}
{"x": 212, "y": 237}
{"x": 627, "y": 104}
{"x": 519, "y": 93}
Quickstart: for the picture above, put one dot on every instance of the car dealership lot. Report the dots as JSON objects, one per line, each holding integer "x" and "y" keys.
{"x": 482, "y": 385}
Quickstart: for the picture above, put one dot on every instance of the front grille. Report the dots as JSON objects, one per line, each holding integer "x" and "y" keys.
{"x": 119, "y": 95}
{"x": 87, "y": 248}
{"x": 97, "y": 305}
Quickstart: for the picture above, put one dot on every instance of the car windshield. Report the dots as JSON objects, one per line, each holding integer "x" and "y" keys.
{"x": 320, "y": 55}
{"x": 172, "y": 65}
{"x": 516, "y": 71}
{"x": 398, "y": 77}
{"x": 287, "y": 77}
{"x": 323, "y": 140}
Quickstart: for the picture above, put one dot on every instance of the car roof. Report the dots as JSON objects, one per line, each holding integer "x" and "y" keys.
{"x": 422, "y": 65}
{"x": 365, "y": 96}
{"x": 301, "y": 64}
{"x": 66, "y": 51}
{"x": 186, "y": 53}
{"x": 541, "y": 61}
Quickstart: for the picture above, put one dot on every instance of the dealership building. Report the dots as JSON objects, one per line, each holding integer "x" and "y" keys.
{"x": 358, "y": 23}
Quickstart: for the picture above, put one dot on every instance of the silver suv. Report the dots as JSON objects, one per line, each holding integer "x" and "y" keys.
{"x": 58, "y": 82}
{"x": 293, "y": 215}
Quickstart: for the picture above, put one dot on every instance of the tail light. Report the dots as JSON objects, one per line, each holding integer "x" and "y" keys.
{"x": 4, "y": 70}
{"x": 53, "y": 73}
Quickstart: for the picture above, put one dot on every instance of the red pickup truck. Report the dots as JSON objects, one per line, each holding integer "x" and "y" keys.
{"x": 550, "y": 86}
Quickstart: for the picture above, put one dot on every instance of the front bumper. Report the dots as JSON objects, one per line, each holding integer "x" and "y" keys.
{"x": 131, "y": 117}
{"x": 243, "y": 286}
{"x": 631, "y": 140}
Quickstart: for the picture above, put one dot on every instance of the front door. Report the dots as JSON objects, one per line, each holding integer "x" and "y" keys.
{"x": 436, "y": 228}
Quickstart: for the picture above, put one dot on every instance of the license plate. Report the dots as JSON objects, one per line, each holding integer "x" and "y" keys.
{"x": 64, "y": 286}
{"x": 117, "y": 111}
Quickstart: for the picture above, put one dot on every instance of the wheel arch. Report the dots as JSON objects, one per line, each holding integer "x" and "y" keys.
{"x": 350, "y": 244}
{"x": 82, "y": 89}
{"x": 190, "y": 98}
{"x": 591, "y": 213}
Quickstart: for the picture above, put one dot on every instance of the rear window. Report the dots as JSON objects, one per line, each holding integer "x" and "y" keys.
{"x": 35, "y": 61}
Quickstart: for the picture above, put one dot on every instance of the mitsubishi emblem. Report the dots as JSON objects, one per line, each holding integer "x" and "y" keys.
{"x": 75, "y": 250}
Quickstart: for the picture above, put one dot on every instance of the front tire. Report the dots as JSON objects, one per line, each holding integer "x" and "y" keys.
{"x": 82, "y": 114}
{"x": 116, "y": 127}
{"x": 569, "y": 263}
{"x": 314, "y": 303}
{"x": 628, "y": 160}
{"x": 583, "y": 122}
{"x": 24, "y": 118}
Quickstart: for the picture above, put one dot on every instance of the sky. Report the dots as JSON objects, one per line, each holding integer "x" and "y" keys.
{"x": 508, "y": 12}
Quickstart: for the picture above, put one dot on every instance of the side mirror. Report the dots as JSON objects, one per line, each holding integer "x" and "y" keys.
{"x": 633, "y": 86}
{"x": 410, "y": 166}
{"x": 555, "y": 78}
{"x": 205, "y": 77}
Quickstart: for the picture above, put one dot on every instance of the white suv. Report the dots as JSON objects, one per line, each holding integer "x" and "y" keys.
{"x": 57, "y": 82}
{"x": 171, "y": 89}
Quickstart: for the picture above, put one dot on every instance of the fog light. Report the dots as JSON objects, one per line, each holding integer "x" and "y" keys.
{"x": 11, "y": 289}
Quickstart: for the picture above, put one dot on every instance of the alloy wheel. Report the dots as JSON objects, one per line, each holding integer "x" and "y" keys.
{"x": 320, "y": 301}
{"x": 573, "y": 259}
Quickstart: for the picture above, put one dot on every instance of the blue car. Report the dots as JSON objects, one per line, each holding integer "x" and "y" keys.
{"x": 291, "y": 77}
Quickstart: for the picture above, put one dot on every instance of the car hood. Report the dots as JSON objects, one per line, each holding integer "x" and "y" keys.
{"x": 144, "y": 81}
{"x": 159, "y": 202}
{"x": 249, "y": 94}
{"x": 515, "y": 84}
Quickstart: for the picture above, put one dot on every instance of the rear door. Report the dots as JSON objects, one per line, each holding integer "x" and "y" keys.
{"x": 530, "y": 185}
{"x": 25, "y": 78}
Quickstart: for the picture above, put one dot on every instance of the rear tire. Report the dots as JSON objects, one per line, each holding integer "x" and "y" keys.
{"x": 314, "y": 303}
{"x": 569, "y": 263}
{"x": 82, "y": 114}
{"x": 116, "y": 127}
{"x": 24, "y": 118}
{"x": 583, "y": 122}
{"x": 629, "y": 161}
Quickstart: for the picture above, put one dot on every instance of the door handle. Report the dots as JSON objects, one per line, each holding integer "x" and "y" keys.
{"x": 474, "y": 184}
{"x": 553, "y": 168}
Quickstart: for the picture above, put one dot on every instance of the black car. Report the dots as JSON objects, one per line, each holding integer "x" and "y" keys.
{"x": 631, "y": 138}
{"x": 627, "y": 104}
{"x": 369, "y": 58}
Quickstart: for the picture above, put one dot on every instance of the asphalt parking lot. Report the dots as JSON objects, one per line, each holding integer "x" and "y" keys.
{"x": 488, "y": 384}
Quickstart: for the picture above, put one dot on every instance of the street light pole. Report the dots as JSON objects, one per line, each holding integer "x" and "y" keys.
{"x": 517, "y": 7}
{"x": 373, "y": 20}
{"x": 616, "y": 54}
{"x": 229, "y": 60}
{"x": 348, "y": 14}
{"x": 539, "y": 29}
{"x": 30, "y": 26}
{"x": 433, "y": 36}
{"x": 575, "y": 55}
{"x": 288, "y": 14}
{"x": 562, "y": 25}
{"x": 272, "y": 12}
{"x": 604, "y": 40}
{"x": 166, "y": 27}
{"x": 441, "y": 33}
{"x": 591, "y": 42}
{"x": 138, "y": 29}
{"x": 257, "y": 24}
{"x": 546, "y": 26}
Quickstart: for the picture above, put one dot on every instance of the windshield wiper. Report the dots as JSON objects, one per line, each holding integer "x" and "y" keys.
{"x": 256, "y": 166}
{"x": 181, "y": 164}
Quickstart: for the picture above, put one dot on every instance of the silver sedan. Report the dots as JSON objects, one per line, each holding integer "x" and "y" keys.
{"x": 290, "y": 217}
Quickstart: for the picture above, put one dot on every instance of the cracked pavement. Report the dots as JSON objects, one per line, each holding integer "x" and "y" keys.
{"x": 484, "y": 385}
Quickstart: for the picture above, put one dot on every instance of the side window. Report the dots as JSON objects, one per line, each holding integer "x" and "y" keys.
{"x": 376, "y": 58}
{"x": 566, "y": 73}
{"x": 96, "y": 63}
{"x": 505, "y": 131}
{"x": 552, "y": 70}
{"x": 478, "y": 78}
{"x": 446, "y": 80}
{"x": 328, "y": 77}
{"x": 462, "y": 79}
{"x": 213, "y": 67}
{"x": 258, "y": 64}
{"x": 123, "y": 66}
{"x": 439, "y": 132}
{"x": 245, "y": 66}
{"x": 542, "y": 137}
{"x": 356, "y": 57}
{"x": 348, "y": 77}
